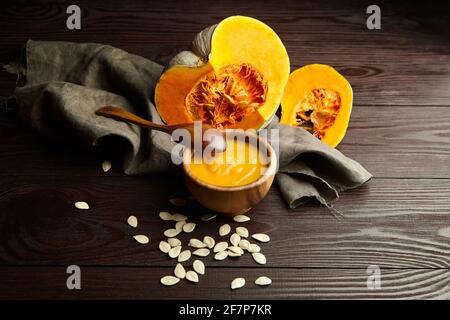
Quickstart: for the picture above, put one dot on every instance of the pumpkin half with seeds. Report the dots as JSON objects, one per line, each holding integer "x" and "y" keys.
{"x": 318, "y": 99}
{"x": 234, "y": 77}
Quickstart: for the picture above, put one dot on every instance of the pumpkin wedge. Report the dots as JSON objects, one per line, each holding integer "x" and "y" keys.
{"x": 234, "y": 77}
{"x": 318, "y": 99}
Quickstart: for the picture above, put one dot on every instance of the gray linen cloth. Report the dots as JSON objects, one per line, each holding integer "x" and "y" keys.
{"x": 66, "y": 83}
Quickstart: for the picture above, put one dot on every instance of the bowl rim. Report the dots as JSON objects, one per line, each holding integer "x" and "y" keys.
{"x": 270, "y": 171}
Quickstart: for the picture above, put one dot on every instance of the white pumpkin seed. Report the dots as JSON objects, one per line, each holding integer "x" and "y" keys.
{"x": 166, "y": 216}
{"x": 174, "y": 252}
{"x": 178, "y": 202}
{"x": 221, "y": 255}
{"x": 185, "y": 255}
{"x": 141, "y": 239}
{"x": 199, "y": 267}
{"x": 259, "y": 257}
{"x": 263, "y": 281}
{"x": 252, "y": 248}
{"x": 195, "y": 243}
{"x": 262, "y": 237}
{"x": 192, "y": 276}
{"x": 208, "y": 216}
{"x": 236, "y": 250}
{"x": 224, "y": 230}
{"x": 132, "y": 221}
{"x": 221, "y": 246}
{"x": 203, "y": 252}
{"x": 179, "y": 225}
{"x": 237, "y": 283}
{"x": 170, "y": 233}
{"x": 169, "y": 280}
{"x": 81, "y": 205}
{"x": 164, "y": 246}
{"x": 179, "y": 271}
{"x": 178, "y": 217}
{"x": 242, "y": 231}
{"x": 232, "y": 254}
{"x": 244, "y": 244}
{"x": 189, "y": 227}
{"x": 106, "y": 166}
{"x": 174, "y": 242}
{"x": 234, "y": 239}
{"x": 209, "y": 241}
{"x": 241, "y": 218}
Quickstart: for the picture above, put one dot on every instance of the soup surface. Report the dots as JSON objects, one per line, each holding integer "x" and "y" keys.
{"x": 240, "y": 164}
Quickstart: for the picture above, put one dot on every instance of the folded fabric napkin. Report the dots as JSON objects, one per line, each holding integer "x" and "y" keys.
{"x": 67, "y": 82}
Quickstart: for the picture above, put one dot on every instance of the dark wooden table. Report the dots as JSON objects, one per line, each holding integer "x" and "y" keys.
{"x": 400, "y": 131}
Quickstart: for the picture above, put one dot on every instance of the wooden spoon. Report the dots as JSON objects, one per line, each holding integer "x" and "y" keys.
{"x": 213, "y": 136}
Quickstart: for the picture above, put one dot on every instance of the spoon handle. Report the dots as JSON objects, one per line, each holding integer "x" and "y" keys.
{"x": 123, "y": 115}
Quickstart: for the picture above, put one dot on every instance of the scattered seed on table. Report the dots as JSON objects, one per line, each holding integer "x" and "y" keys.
{"x": 192, "y": 276}
{"x": 184, "y": 256}
{"x": 178, "y": 202}
{"x": 169, "y": 280}
{"x": 241, "y": 218}
{"x": 232, "y": 254}
{"x": 237, "y": 283}
{"x": 189, "y": 227}
{"x": 261, "y": 237}
{"x": 203, "y": 252}
{"x": 252, "y": 248}
{"x": 236, "y": 250}
{"x": 195, "y": 243}
{"x": 178, "y": 217}
{"x": 106, "y": 166}
{"x": 259, "y": 257}
{"x": 141, "y": 239}
{"x": 224, "y": 230}
{"x": 199, "y": 267}
{"x": 242, "y": 231}
{"x": 81, "y": 205}
{"x": 244, "y": 244}
{"x": 174, "y": 242}
{"x": 166, "y": 216}
{"x": 132, "y": 221}
{"x": 222, "y": 255}
{"x": 221, "y": 246}
{"x": 164, "y": 246}
{"x": 209, "y": 242}
{"x": 234, "y": 239}
{"x": 179, "y": 271}
{"x": 263, "y": 281}
{"x": 175, "y": 252}
{"x": 170, "y": 233}
{"x": 179, "y": 225}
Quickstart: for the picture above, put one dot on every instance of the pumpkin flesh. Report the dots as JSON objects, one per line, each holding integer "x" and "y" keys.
{"x": 318, "y": 99}
{"x": 240, "y": 85}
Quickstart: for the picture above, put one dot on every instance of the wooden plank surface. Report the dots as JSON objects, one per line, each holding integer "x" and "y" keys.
{"x": 139, "y": 283}
{"x": 391, "y": 142}
{"x": 399, "y": 130}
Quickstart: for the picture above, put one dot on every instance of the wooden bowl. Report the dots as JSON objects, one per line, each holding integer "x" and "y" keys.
{"x": 231, "y": 200}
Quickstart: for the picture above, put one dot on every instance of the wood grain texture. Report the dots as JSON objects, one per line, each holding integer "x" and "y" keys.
{"x": 391, "y": 142}
{"x": 143, "y": 283}
{"x": 391, "y": 223}
{"x": 377, "y": 63}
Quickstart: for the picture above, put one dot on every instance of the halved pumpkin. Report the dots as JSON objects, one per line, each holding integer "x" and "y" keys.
{"x": 234, "y": 77}
{"x": 318, "y": 99}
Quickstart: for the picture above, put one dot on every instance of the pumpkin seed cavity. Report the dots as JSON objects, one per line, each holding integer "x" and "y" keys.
{"x": 224, "y": 97}
{"x": 317, "y": 111}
